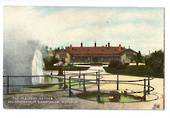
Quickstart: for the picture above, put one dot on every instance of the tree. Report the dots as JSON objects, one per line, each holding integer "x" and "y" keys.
{"x": 55, "y": 51}
{"x": 138, "y": 58}
{"x": 155, "y": 62}
{"x": 50, "y": 61}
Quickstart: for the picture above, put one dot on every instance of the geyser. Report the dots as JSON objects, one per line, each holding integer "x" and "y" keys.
{"x": 21, "y": 58}
{"x": 37, "y": 68}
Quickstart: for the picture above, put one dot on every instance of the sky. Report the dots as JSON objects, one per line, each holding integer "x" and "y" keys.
{"x": 140, "y": 28}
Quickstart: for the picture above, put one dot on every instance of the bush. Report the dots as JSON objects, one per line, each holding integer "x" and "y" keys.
{"x": 140, "y": 70}
{"x": 155, "y": 63}
{"x": 96, "y": 64}
{"x": 116, "y": 64}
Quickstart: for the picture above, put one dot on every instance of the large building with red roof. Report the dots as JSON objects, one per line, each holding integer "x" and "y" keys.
{"x": 102, "y": 54}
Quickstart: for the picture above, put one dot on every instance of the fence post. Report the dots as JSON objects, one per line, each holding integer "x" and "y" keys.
{"x": 96, "y": 77}
{"x": 98, "y": 90}
{"x": 69, "y": 86}
{"x": 84, "y": 83}
{"x": 79, "y": 73}
{"x": 51, "y": 74}
{"x": 7, "y": 84}
{"x": 144, "y": 97}
{"x": 64, "y": 80}
{"x": 148, "y": 85}
{"x": 79, "y": 78}
{"x": 99, "y": 74}
{"x": 117, "y": 82}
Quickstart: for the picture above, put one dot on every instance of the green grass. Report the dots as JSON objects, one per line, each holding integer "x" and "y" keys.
{"x": 105, "y": 97}
{"x": 133, "y": 71}
{"x": 66, "y": 68}
{"x": 124, "y": 98}
{"x": 96, "y": 64}
{"x": 43, "y": 87}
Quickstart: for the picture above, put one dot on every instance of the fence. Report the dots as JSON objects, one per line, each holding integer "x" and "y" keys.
{"x": 146, "y": 84}
{"x": 66, "y": 83}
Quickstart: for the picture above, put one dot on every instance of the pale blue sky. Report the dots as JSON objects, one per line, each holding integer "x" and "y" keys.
{"x": 140, "y": 28}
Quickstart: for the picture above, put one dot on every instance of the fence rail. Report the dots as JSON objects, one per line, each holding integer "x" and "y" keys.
{"x": 67, "y": 82}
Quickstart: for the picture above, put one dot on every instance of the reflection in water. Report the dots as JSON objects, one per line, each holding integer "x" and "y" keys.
{"x": 49, "y": 80}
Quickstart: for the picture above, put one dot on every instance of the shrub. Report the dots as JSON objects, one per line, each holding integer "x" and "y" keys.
{"x": 116, "y": 64}
{"x": 155, "y": 63}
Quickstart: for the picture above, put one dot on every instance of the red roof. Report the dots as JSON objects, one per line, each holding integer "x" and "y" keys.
{"x": 84, "y": 51}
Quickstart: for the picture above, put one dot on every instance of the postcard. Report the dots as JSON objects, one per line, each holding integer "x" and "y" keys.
{"x": 108, "y": 58}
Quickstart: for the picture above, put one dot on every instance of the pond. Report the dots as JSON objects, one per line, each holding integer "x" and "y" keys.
{"x": 92, "y": 96}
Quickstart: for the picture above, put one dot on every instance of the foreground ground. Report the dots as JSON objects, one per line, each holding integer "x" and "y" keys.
{"x": 60, "y": 99}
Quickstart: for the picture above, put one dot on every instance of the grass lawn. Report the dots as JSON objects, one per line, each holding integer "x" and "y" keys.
{"x": 66, "y": 68}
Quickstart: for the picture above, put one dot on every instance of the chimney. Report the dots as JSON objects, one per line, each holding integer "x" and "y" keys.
{"x": 95, "y": 44}
{"x": 108, "y": 44}
{"x": 70, "y": 45}
{"x": 120, "y": 47}
{"x": 81, "y": 44}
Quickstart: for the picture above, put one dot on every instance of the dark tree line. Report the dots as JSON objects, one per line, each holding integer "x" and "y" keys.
{"x": 155, "y": 63}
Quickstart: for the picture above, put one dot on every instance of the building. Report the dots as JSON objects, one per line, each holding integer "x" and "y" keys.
{"x": 127, "y": 55}
{"x": 101, "y": 54}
